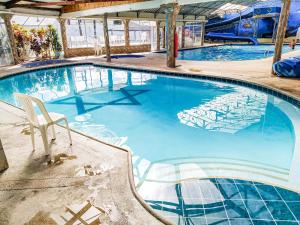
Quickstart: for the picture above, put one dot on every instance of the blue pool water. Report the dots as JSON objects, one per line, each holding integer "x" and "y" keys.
{"x": 230, "y": 53}
{"x": 178, "y": 129}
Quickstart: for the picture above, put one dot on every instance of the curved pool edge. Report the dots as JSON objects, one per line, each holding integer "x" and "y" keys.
{"x": 294, "y": 100}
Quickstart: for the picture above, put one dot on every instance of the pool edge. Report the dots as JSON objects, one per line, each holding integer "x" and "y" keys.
{"x": 294, "y": 100}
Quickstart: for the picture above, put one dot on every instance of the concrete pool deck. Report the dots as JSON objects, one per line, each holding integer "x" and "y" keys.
{"x": 91, "y": 176}
{"x": 87, "y": 183}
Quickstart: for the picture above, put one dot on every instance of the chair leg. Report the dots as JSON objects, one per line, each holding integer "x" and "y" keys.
{"x": 45, "y": 140}
{"x": 32, "y": 137}
{"x": 53, "y": 133}
{"x": 69, "y": 131}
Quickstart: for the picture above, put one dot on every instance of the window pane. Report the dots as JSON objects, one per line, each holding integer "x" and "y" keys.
{"x": 139, "y": 32}
{"x": 5, "y": 50}
{"x": 84, "y": 33}
{"x": 116, "y": 32}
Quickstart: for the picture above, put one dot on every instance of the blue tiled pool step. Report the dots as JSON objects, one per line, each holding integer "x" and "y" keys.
{"x": 227, "y": 201}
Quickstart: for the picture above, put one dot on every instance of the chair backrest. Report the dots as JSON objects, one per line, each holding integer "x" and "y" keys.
{"x": 27, "y": 102}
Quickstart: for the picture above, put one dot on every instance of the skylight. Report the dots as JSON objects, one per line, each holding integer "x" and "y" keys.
{"x": 230, "y": 8}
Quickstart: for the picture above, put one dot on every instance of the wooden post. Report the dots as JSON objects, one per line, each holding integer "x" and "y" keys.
{"x": 183, "y": 35}
{"x": 126, "y": 31}
{"x": 63, "y": 32}
{"x": 106, "y": 37}
{"x": 172, "y": 11}
{"x": 281, "y": 30}
{"x": 3, "y": 160}
{"x": 7, "y": 21}
{"x": 164, "y": 37}
{"x": 202, "y": 33}
{"x": 157, "y": 35}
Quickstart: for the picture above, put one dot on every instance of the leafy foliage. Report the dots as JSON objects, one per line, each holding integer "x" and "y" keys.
{"x": 43, "y": 42}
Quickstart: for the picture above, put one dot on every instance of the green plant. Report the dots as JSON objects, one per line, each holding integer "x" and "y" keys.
{"x": 53, "y": 36}
{"x": 22, "y": 39}
{"x": 35, "y": 42}
{"x": 41, "y": 41}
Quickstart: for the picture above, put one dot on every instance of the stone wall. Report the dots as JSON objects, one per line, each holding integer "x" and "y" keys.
{"x": 73, "y": 52}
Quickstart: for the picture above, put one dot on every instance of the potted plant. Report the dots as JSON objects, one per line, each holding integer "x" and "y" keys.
{"x": 35, "y": 43}
{"x": 56, "y": 45}
{"x": 22, "y": 39}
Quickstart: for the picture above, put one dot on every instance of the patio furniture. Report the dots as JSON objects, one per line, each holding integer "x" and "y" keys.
{"x": 41, "y": 121}
{"x": 3, "y": 160}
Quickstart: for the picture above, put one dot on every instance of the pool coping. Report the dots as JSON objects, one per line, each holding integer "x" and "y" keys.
{"x": 294, "y": 100}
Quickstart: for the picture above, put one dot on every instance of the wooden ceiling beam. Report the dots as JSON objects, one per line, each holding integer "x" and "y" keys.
{"x": 11, "y": 4}
{"x": 96, "y": 4}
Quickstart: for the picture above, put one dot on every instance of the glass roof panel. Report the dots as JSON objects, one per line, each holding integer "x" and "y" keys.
{"x": 229, "y": 8}
{"x": 33, "y": 20}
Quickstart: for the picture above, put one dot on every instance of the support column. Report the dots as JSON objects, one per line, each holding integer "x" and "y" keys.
{"x": 106, "y": 38}
{"x": 3, "y": 160}
{"x": 157, "y": 35}
{"x": 255, "y": 28}
{"x": 7, "y": 20}
{"x": 275, "y": 29}
{"x": 172, "y": 11}
{"x": 63, "y": 32}
{"x": 183, "y": 35}
{"x": 126, "y": 31}
{"x": 164, "y": 38}
{"x": 284, "y": 15}
{"x": 202, "y": 33}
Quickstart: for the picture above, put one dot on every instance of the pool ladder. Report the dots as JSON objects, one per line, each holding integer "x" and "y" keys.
{"x": 267, "y": 52}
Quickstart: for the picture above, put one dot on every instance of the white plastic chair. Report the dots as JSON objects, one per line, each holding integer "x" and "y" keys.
{"x": 97, "y": 47}
{"x": 41, "y": 121}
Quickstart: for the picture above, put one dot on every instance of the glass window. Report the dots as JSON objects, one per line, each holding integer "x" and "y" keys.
{"x": 84, "y": 33}
{"x": 34, "y": 21}
{"x": 116, "y": 32}
{"x": 140, "y": 32}
{"x": 5, "y": 49}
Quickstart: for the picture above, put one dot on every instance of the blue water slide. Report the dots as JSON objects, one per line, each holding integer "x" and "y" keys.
{"x": 230, "y": 37}
{"x": 288, "y": 67}
{"x": 230, "y": 19}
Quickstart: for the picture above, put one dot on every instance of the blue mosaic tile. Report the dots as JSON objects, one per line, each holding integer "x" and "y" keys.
{"x": 263, "y": 222}
{"x": 295, "y": 208}
{"x": 215, "y": 210}
{"x": 243, "y": 182}
{"x": 197, "y": 220}
{"x": 240, "y": 222}
{"x": 279, "y": 210}
{"x": 192, "y": 210}
{"x": 257, "y": 210}
{"x": 224, "y": 181}
{"x": 288, "y": 195}
{"x": 286, "y": 223}
{"x": 216, "y": 221}
{"x": 222, "y": 203}
{"x": 229, "y": 191}
{"x": 236, "y": 209}
{"x": 248, "y": 192}
{"x": 268, "y": 192}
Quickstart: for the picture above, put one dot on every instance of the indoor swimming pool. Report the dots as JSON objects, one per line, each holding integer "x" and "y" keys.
{"x": 230, "y": 52}
{"x": 185, "y": 134}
